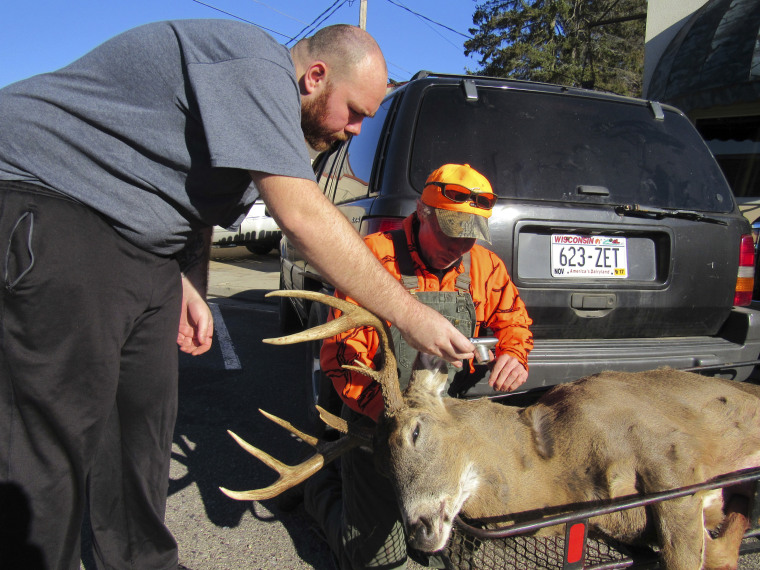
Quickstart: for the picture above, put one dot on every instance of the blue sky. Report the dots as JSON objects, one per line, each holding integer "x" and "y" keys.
{"x": 43, "y": 35}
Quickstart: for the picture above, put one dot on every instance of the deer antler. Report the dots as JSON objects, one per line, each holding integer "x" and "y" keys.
{"x": 353, "y": 316}
{"x": 291, "y": 475}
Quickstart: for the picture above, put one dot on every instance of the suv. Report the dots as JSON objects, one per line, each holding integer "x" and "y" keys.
{"x": 614, "y": 220}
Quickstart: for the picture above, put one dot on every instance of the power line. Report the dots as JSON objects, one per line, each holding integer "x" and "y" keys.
{"x": 403, "y": 69}
{"x": 273, "y": 9}
{"x": 428, "y": 19}
{"x": 242, "y": 19}
{"x": 316, "y": 21}
{"x": 440, "y": 35}
{"x": 327, "y": 13}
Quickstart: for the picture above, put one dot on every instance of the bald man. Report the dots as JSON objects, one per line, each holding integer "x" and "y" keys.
{"x": 113, "y": 170}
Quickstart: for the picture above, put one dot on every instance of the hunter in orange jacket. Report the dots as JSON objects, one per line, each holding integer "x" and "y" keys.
{"x": 497, "y": 303}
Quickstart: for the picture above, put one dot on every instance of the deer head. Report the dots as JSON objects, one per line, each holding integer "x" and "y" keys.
{"x": 418, "y": 441}
{"x": 420, "y": 448}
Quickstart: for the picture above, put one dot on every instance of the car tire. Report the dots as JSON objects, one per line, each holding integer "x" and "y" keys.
{"x": 319, "y": 388}
{"x": 289, "y": 321}
{"x": 259, "y": 248}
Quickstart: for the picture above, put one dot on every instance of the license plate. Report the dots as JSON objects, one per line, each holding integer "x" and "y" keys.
{"x": 576, "y": 256}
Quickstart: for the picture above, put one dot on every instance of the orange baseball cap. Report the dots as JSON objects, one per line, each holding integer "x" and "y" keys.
{"x": 465, "y": 215}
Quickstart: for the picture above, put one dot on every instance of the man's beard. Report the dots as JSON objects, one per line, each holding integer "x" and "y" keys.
{"x": 313, "y": 114}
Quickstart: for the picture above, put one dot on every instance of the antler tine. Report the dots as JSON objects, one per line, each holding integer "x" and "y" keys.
{"x": 365, "y": 434}
{"x": 291, "y": 475}
{"x": 310, "y": 439}
{"x": 331, "y": 420}
{"x": 386, "y": 376}
{"x": 353, "y": 316}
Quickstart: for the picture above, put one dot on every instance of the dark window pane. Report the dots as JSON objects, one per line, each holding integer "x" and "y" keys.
{"x": 355, "y": 174}
{"x": 544, "y": 146}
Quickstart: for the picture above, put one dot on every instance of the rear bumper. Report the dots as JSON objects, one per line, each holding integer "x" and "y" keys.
{"x": 556, "y": 361}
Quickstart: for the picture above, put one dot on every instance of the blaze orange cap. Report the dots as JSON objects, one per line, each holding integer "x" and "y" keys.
{"x": 458, "y": 219}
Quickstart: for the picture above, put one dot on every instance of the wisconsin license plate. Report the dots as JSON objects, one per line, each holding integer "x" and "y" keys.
{"x": 575, "y": 256}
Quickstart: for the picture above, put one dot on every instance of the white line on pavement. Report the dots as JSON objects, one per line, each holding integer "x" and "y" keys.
{"x": 231, "y": 361}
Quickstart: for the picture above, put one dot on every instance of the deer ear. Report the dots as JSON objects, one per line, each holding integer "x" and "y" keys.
{"x": 538, "y": 418}
{"x": 429, "y": 374}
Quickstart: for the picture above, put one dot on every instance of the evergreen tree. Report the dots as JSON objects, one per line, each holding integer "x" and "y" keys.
{"x": 598, "y": 44}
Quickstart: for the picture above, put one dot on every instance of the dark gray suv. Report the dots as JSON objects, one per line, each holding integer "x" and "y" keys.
{"x": 614, "y": 220}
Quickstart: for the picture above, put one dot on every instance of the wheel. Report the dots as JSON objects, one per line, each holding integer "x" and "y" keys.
{"x": 319, "y": 388}
{"x": 259, "y": 248}
{"x": 289, "y": 321}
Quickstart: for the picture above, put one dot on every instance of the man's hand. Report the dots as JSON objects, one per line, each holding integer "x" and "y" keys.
{"x": 196, "y": 325}
{"x": 507, "y": 374}
{"x": 430, "y": 332}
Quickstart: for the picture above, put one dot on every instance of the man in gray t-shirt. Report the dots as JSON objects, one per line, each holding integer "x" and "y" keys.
{"x": 168, "y": 119}
{"x": 113, "y": 171}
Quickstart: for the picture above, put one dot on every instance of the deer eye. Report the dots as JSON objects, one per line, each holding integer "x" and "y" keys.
{"x": 416, "y": 433}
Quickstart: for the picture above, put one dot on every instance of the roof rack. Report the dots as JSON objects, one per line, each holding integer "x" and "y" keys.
{"x": 422, "y": 74}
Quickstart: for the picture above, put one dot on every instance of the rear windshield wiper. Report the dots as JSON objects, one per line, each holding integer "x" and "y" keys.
{"x": 659, "y": 213}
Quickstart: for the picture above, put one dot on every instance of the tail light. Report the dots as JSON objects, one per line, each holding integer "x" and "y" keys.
{"x": 745, "y": 279}
{"x": 374, "y": 225}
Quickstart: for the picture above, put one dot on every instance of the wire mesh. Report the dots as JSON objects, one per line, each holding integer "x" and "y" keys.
{"x": 465, "y": 552}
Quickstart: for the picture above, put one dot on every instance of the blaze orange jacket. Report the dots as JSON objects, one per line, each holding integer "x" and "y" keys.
{"x": 497, "y": 306}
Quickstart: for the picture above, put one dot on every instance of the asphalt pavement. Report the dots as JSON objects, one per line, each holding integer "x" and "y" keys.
{"x": 238, "y": 275}
{"x": 220, "y": 391}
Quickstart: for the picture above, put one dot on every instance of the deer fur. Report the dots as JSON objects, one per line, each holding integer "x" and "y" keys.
{"x": 601, "y": 437}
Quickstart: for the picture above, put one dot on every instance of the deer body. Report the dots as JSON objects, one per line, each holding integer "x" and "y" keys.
{"x": 601, "y": 437}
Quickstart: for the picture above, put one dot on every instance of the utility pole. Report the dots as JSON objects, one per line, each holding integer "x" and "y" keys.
{"x": 363, "y": 15}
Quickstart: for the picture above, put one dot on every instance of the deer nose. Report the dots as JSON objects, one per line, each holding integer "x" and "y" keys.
{"x": 426, "y": 525}
{"x": 423, "y": 530}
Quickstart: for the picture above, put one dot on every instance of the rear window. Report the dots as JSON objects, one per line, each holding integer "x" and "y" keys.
{"x": 544, "y": 146}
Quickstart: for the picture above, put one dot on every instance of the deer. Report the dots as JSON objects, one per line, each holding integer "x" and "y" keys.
{"x": 605, "y": 436}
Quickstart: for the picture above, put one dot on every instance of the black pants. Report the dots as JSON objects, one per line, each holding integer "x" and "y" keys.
{"x": 88, "y": 387}
{"x": 357, "y": 510}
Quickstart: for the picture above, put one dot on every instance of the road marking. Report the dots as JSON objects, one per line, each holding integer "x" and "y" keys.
{"x": 231, "y": 361}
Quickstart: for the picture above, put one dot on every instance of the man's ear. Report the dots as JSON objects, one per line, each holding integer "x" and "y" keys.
{"x": 315, "y": 77}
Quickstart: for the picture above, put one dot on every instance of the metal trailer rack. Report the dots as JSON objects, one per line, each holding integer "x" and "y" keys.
{"x": 476, "y": 546}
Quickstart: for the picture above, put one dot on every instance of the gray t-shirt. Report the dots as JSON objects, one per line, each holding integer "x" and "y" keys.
{"x": 157, "y": 128}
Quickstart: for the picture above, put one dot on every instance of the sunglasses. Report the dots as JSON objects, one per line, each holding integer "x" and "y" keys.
{"x": 460, "y": 194}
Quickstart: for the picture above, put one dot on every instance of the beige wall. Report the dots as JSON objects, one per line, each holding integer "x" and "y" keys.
{"x": 664, "y": 19}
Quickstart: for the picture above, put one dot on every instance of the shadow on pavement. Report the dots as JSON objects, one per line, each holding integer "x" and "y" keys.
{"x": 213, "y": 401}
{"x": 240, "y": 256}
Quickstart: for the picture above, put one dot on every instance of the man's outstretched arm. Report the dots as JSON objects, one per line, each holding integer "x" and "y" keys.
{"x": 330, "y": 243}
